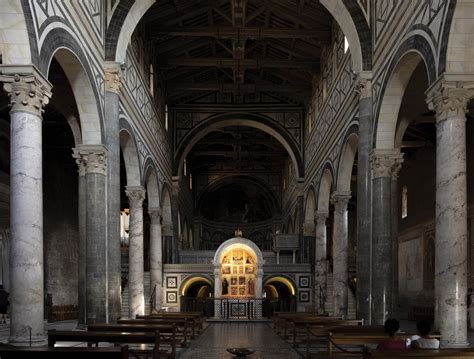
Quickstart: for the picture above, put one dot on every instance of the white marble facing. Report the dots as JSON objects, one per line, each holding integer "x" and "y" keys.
{"x": 340, "y": 253}
{"x": 136, "y": 291}
{"x": 14, "y": 40}
{"x": 26, "y": 221}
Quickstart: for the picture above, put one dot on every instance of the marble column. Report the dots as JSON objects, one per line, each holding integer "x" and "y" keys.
{"x": 81, "y": 275}
{"x": 28, "y": 94}
{"x": 136, "y": 293}
{"x": 383, "y": 163}
{"x": 112, "y": 141}
{"x": 93, "y": 158}
{"x": 450, "y": 104}
{"x": 156, "y": 256}
{"x": 340, "y": 253}
{"x": 320, "y": 275}
{"x": 395, "y": 211}
{"x": 364, "y": 290}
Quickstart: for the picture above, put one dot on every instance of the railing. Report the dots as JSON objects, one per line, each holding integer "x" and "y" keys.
{"x": 237, "y": 308}
{"x": 152, "y": 301}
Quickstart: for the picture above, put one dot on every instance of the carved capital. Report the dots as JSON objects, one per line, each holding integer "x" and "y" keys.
{"x": 449, "y": 99}
{"x": 340, "y": 200}
{"x": 155, "y": 215}
{"x": 28, "y": 93}
{"x": 321, "y": 217}
{"x": 91, "y": 159}
{"x": 113, "y": 76}
{"x": 136, "y": 196}
{"x": 363, "y": 87}
{"x": 385, "y": 163}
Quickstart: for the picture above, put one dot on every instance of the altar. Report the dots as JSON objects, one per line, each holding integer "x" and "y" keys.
{"x": 238, "y": 272}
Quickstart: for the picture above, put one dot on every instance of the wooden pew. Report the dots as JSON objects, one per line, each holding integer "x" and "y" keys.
{"x": 424, "y": 353}
{"x": 284, "y": 320}
{"x": 193, "y": 321}
{"x": 169, "y": 329}
{"x": 197, "y": 316}
{"x": 300, "y": 326}
{"x": 8, "y": 352}
{"x": 362, "y": 339}
{"x": 184, "y": 327}
{"x": 94, "y": 338}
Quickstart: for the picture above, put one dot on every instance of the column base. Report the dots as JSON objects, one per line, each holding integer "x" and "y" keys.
{"x": 26, "y": 341}
{"x": 445, "y": 344}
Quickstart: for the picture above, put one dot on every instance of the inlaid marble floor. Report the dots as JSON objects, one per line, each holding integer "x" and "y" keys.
{"x": 212, "y": 343}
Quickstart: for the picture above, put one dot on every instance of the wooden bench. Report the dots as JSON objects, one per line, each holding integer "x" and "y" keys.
{"x": 282, "y": 322}
{"x": 94, "y": 338}
{"x": 300, "y": 326}
{"x": 362, "y": 339}
{"x": 424, "y": 353}
{"x": 8, "y": 352}
{"x": 195, "y": 322}
{"x": 169, "y": 329}
{"x": 184, "y": 327}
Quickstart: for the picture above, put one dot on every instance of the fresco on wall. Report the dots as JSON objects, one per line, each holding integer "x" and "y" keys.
{"x": 410, "y": 268}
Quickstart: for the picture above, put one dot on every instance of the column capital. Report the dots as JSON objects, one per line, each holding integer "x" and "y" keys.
{"x": 155, "y": 215}
{"x": 449, "y": 99}
{"x": 341, "y": 200}
{"x": 385, "y": 162}
{"x": 113, "y": 76}
{"x": 321, "y": 217}
{"x": 91, "y": 159}
{"x": 28, "y": 89}
{"x": 136, "y": 195}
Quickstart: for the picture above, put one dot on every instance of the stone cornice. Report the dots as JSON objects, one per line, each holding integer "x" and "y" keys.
{"x": 91, "y": 159}
{"x": 28, "y": 89}
{"x": 136, "y": 196}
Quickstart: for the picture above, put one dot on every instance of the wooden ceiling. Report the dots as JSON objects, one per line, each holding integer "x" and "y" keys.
{"x": 237, "y": 46}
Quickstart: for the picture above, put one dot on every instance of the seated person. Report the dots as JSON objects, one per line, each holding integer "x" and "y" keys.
{"x": 424, "y": 341}
{"x": 391, "y": 326}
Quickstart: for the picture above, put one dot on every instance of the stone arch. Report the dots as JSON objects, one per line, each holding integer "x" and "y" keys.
{"x": 310, "y": 208}
{"x": 152, "y": 187}
{"x": 346, "y": 161}
{"x": 343, "y": 17}
{"x": 122, "y": 25}
{"x": 16, "y": 49}
{"x": 325, "y": 188}
{"x": 130, "y": 156}
{"x": 397, "y": 79}
{"x": 86, "y": 98}
{"x": 192, "y": 279}
{"x": 283, "y": 279}
{"x": 457, "y": 52}
{"x": 249, "y": 120}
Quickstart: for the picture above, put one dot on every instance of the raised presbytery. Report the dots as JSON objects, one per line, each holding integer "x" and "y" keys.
{"x": 236, "y": 162}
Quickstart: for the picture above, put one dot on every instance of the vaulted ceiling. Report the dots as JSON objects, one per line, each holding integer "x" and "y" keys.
{"x": 238, "y": 46}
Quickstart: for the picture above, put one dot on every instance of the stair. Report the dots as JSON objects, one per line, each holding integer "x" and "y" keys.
{"x": 351, "y": 310}
{"x": 146, "y": 284}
